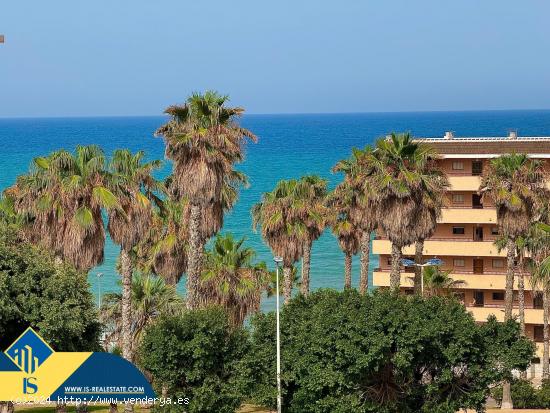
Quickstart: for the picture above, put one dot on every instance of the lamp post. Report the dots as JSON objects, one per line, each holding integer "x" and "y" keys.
{"x": 434, "y": 262}
{"x": 99, "y": 275}
{"x": 278, "y": 262}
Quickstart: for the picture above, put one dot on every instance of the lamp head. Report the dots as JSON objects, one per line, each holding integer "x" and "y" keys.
{"x": 278, "y": 260}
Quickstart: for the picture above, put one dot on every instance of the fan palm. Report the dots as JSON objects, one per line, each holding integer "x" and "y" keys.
{"x": 231, "y": 279}
{"x": 134, "y": 183}
{"x": 348, "y": 235}
{"x": 285, "y": 234}
{"x": 405, "y": 182}
{"x": 65, "y": 194}
{"x": 151, "y": 298}
{"x": 204, "y": 142}
{"x": 438, "y": 282}
{"x": 310, "y": 194}
{"x": 515, "y": 184}
{"x": 354, "y": 194}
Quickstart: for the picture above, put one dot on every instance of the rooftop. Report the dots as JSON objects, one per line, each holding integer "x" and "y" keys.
{"x": 487, "y": 146}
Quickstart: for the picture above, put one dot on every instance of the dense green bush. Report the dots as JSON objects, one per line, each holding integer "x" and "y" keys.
{"x": 347, "y": 353}
{"x": 53, "y": 299}
{"x": 194, "y": 356}
{"x": 526, "y": 396}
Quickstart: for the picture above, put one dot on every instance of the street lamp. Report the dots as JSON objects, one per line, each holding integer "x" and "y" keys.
{"x": 434, "y": 262}
{"x": 99, "y": 275}
{"x": 278, "y": 262}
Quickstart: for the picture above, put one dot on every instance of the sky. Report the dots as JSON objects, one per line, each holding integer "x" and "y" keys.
{"x": 135, "y": 57}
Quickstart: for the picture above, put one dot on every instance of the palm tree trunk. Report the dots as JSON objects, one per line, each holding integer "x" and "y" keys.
{"x": 365, "y": 256}
{"x": 126, "y": 272}
{"x": 418, "y": 256}
{"x": 508, "y": 305}
{"x": 287, "y": 283}
{"x": 521, "y": 298}
{"x": 195, "y": 257}
{"x": 546, "y": 343}
{"x": 395, "y": 275}
{"x": 347, "y": 271}
{"x": 509, "y": 296}
{"x": 306, "y": 263}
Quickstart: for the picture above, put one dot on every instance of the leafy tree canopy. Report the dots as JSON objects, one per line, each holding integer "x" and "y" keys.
{"x": 54, "y": 300}
{"x": 343, "y": 352}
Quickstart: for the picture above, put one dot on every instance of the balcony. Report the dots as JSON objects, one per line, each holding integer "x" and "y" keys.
{"x": 473, "y": 281}
{"x": 468, "y": 216}
{"x": 532, "y": 315}
{"x": 464, "y": 183}
{"x": 458, "y": 248}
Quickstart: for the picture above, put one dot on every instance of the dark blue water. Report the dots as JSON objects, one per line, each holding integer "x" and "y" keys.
{"x": 289, "y": 146}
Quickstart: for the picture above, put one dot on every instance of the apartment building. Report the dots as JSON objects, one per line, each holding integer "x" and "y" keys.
{"x": 465, "y": 235}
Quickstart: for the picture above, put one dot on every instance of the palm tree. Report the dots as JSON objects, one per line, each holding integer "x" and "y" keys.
{"x": 515, "y": 184}
{"x": 354, "y": 194}
{"x": 231, "y": 279}
{"x": 284, "y": 233}
{"x": 311, "y": 192}
{"x": 204, "y": 141}
{"x": 151, "y": 298}
{"x": 134, "y": 183}
{"x": 405, "y": 182}
{"x": 348, "y": 235}
{"x": 438, "y": 282}
{"x": 65, "y": 194}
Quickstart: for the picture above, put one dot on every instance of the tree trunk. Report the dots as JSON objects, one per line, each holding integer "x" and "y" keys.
{"x": 113, "y": 408}
{"x": 195, "y": 257}
{"x": 418, "y": 257}
{"x": 6, "y": 407}
{"x": 126, "y": 273}
{"x": 347, "y": 271}
{"x": 508, "y": 305}
{"x": 365, "y": 255}
{"x": 546, "y": 341}
{"x": 521, "y": 296}
{"x": 306, "y": 262}
{"x": 287, "y": 283}
{"x": 395, "y": 275}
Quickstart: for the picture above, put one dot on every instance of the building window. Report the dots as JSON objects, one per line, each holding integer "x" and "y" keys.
{"x": 458, "y": 262}
{"x": 458, "y": 166}
{"x": 498, "y": 296}
{"x": 537, "y": 300}
{"x": 498, "y": 263}
{"x": 494, "y": 231}
{"x": 538, "y": 333}
{"x": 389, "y": 261}
{"x": 459, "y": 231}
{"x": 458, "y": 198}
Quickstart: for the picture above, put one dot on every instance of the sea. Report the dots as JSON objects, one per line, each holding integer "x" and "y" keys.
{"x": 289, "y": 146}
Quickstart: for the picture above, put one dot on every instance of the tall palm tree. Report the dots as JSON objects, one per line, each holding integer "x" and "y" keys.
{"x": 515, "y": 184}
{"x": 231, "y": 279}
{"x": 355, "y": 194}
{"x": 204, "y": 141}
{"x": 310, "y": 194}
{"x": 65, "y": 195}
{"x": 151, "y": 298}
{"x": 349, "y": 238}
{"x": 403, "y": 177}
{"x": 285, "y": 234}
{"x": 134, "y": 183}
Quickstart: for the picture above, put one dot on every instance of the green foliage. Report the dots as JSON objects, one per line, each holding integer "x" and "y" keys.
{"x": 194, "y": 355}
{"x": 526, "y": 396}
{"x": 344, "y": 352}
{"x": 52, "y": 299}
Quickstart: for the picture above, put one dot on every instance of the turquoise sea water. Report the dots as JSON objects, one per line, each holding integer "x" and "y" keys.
{"x": 289, "y": 146}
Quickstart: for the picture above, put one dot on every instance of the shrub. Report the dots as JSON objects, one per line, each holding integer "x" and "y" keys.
{"x": 525, "y": 395}
{"x": 194, "y": 356}
{"x": 53, "y": 299}
{"x": 344, "y": 353}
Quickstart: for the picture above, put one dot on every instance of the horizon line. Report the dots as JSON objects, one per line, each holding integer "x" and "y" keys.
{"x": 283, "y": 113}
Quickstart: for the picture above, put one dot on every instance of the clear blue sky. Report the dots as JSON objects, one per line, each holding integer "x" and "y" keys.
{"x": 134, "y": 57}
